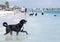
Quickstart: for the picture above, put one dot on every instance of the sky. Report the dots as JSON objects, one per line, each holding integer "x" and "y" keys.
{"x": 34, "y": 3}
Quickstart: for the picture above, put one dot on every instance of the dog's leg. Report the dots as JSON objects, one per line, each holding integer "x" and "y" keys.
{"x": 24, "y": 31}
{"x": 10, "y": 32}
{"x": 17, "y": 33}
{"x": 7, "y": 31}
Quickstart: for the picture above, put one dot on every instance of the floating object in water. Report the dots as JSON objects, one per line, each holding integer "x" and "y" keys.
{"x": 54, "y": 15}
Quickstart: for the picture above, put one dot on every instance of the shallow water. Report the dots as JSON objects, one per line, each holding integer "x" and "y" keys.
{"x": 41, "y": 28}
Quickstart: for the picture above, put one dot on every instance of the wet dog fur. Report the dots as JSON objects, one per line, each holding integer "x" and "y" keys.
{"x": 15, "y": 27}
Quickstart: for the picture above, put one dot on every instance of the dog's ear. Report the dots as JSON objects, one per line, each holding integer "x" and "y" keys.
{"x": 23, "y": 21}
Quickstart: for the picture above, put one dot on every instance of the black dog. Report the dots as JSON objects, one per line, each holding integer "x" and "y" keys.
{"x": 17, "y": 27}
{"x": 31, "y": 14}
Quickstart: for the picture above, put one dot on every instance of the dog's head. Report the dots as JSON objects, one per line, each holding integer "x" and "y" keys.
{"x": 23, "y": 21}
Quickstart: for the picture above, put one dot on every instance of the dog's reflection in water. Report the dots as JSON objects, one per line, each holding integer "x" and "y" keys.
{"x": 15, "y": 38}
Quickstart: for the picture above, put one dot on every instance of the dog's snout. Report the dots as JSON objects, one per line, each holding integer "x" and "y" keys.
{"x": 26, "y": 21}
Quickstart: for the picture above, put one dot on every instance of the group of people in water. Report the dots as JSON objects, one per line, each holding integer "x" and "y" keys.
{"x": 24, "y": 10}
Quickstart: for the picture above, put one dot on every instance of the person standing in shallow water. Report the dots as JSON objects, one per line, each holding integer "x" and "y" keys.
{"x": 42, "y": 11}
{"x": 25, "y": 11}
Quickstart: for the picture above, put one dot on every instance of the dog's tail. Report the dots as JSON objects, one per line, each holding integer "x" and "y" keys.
{"x": 5, "y": 24}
